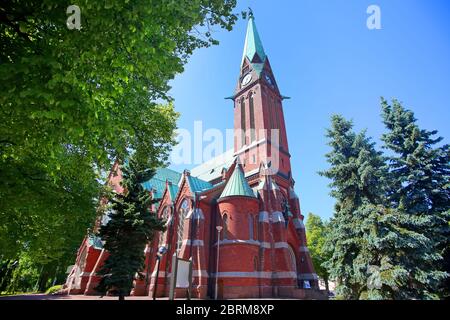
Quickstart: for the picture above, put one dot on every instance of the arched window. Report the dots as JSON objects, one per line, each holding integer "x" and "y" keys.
{"x": 252, "y": 118}
{"x": 250, "y": 227}
{"x": 255, "y": 227}
{"x": 255, "y": 263}
{"x": 243, "y": 120}
{"x": 183, "y": 211}
{"x": 269, "y": 99}
{"x": 225, "y": 226}
{"x": 166, "y": 217}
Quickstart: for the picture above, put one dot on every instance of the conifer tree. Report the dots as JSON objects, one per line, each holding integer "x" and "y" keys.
{"x": 419, "y": 172}
{"x": 131, "y": 226}
{"x": 355, "y": 185}
{"x": 376, "y": 249}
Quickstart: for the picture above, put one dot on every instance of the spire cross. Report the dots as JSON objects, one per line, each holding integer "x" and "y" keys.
{"x": 250, "y": 13}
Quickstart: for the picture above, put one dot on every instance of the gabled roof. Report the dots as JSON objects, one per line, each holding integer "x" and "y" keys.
{"x": 212, "y": 169}
{"x": 198, "y": 185}
{"x": 157, "y": 184}
{"x": 173, "y": 190}
{"x": 237, "y": 185}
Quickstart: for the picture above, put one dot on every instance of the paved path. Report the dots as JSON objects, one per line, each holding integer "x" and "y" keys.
{"x": 43, "y": 296}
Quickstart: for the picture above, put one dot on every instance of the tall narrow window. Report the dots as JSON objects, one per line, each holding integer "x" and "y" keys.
{"x": 243, "y": 120}
{"x": 163, "y": 234}
{"x": 250, "y": 227}
{"x": 255, "y": 227}
{"x": 183, "y": 211}
{"x": 225, "y": 226}
{"x": 270, "y": 115}
{"x": 277, "y": 117}
{"x": 252, "y": 118}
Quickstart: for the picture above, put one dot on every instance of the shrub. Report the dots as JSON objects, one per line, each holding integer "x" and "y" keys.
{"x": 54, "y": 289}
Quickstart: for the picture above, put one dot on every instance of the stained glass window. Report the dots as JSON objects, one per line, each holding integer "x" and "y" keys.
{"x": 182, "y": 213}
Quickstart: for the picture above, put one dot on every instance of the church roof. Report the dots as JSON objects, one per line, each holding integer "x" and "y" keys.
{"x": 158, "y": 183}
{"x": 237, "y": 185}
{"x": 173, "y": 190}
{"x": 95, "y": 241}
{"x": 253, "y": 45}
{"x": 212, "y": 169}
{"x": 198, "y": 185}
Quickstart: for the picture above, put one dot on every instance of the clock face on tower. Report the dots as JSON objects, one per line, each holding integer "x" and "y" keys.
{"x": 246, "y": 80}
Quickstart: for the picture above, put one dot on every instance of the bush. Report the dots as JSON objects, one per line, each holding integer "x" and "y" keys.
{"x": 54, "y": 289}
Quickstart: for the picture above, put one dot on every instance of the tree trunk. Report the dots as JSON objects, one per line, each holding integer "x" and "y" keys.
{"x": 121, "y": 297}
{"x": 327, "y": 286}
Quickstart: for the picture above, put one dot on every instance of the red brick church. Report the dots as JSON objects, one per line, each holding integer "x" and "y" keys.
{"x": 249, "y": 191}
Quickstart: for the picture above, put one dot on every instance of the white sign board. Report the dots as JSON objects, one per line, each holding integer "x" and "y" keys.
{"x": 183, "y": 274}
{"x": 306, "y": 284}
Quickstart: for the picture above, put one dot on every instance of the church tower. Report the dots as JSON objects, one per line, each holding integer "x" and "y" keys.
{"x": 262, "y": 147}
{"x": 260, "y": 130}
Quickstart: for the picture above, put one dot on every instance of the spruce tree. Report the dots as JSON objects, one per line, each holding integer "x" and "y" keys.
{"x": 376, "y": 250}
{"x": 131, "y": 226}
{"x": 355, "y": 185}
{"x": 419, "y": 172}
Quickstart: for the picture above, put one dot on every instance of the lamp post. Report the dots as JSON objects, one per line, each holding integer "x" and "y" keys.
{"x": 161, "y": 252}
{"x": 219, "y": 228}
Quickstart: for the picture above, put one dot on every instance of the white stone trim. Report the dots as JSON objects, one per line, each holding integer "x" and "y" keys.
{"x": 277, "y": 216}
{"x": 238, "y": 241}
{"x": 161, "y": 274}
{"x": 196, "y": 243}
{"x": 200, "y": 273}
{"x": 263, "y": 216}
{"x": 266, "y": 245}
{"x": 279, "y": 245}
{"x": 247, "y": 147}
{"x": 196, "y": 214}
{"x": 307, "y": 276}
{"x": 256, "y": 274}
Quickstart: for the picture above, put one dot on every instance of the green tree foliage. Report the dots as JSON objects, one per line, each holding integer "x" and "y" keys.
{"x": 355, "y": 186}
{"x": 419, "y": 173}
{"x": 316, "y": 232}
{"x": 74, "y": 101}
{"x": 130, "y": 228}
{"x": 377, "y": 250}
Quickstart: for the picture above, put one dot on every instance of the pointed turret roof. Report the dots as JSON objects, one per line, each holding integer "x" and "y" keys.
{"x": 237, "y": 185}
{"x": 253, "y": 45}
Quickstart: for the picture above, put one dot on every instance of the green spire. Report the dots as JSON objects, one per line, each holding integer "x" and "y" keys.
{"x": 237, "y": 185}
{"x": 253, "y": 45}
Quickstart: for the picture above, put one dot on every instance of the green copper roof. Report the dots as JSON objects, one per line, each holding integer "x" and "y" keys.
{"x": 95, "y": 241}
{"x": 212, "y": 169}
{"x": 253, "y": 44}
{"x": 173, "y": 190}
{"x": 198, "y": 185}
{"x": 158, "y": 182}
{"x": 237, "y": 185}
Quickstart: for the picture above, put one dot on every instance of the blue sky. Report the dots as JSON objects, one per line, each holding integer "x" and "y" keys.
{"x": 327, "y": 60}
